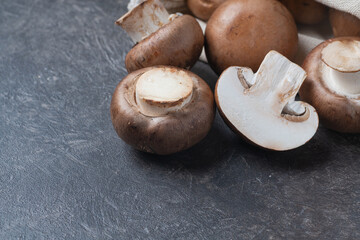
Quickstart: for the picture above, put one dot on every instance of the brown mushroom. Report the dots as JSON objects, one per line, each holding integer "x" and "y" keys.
{"x": 344, "y": 24}
{"x": 161, "y": 39}
{"x": 261, "y": 106}
{"x": 172, "y": 6}
{"x": 162, "y": 109}
{"x": 333, "y": 83}
{"x": 306, "y": 11}
{"x": 242, "y": 32}
{"x": 203, "y": 8}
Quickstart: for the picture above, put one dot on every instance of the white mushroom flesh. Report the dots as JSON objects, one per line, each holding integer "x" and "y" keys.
{"x": 144, "y": 19}
{"x": 163, "y": 90}
{"x": 341, "y": 67}
{"x": 256, "y": 109}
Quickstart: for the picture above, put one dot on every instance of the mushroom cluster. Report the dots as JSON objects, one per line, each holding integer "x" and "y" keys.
{"x": 161, "y": 107}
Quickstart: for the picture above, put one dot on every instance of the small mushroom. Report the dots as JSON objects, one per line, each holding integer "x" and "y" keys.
{"x": 333, "y": 83}
{"x": 203, "y": 8}
{"x": 242, "y": 32}
{"x": 306, "y": 11}
{"x": 344, "y": 24}
{"x": 261, "y": 107}
{"x": 162, "y": 110}
{"x": 161, "y": 39}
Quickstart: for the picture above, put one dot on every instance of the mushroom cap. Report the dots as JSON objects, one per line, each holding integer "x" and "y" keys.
{"x": 306, "y": 11}
{"x": 336, "y": 111}
{"x": 242, "y": 32}
{"x": 203, "y": 8}
{"x": 344, "y": 24}
{"x": 166, "y": 134}
{"x": 256, "y": 112}
{"x": 178, "y": 43}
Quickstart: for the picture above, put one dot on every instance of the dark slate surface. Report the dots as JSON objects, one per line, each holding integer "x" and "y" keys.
{"x": 64, "y": 173}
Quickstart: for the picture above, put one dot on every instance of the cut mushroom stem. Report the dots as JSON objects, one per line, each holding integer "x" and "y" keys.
{"x": 162, "y": 90}
{"x": 144, "y": 19}
{"x": 282, "y": 77}
{"x": 261, "y": 106}
{"x": 341, "y": 66}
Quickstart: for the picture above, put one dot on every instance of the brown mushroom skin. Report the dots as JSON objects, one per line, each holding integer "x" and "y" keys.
{"x": 167, "y": 134}
{"x": 242, "y": 32}
{"x": 306, "y": 11}
{"x": 178, "y": 43}
{"x": 335, "y": 111}
{"x": 203, "y": 8}
{"x": 344, "y": 24}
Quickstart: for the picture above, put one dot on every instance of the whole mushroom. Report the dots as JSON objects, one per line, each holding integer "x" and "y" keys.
{"x": 161, "y": 39}
{"x": 203, "y": 8}
{"x": 162, "y": 109}
{"x": 344, "y": 24}
{"x": 242, "y": 32}
{"x": 261, "y": 106}
{"x": 306, "y": 11}
{"x": 333, "y": 83}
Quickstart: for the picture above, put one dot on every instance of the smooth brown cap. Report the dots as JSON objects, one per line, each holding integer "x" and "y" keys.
{"x": 166, "y": 134}
{"x": 344, "y": 24}
{"x": 203, "y": 9}
{"x": 306, "y": 11}
{"x": 242, "y": 32}
{"x": 178, "y": 43}
{"x": 336, "y": 111}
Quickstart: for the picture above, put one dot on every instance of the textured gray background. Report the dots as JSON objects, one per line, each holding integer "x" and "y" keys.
{"x": 64, "y": 173}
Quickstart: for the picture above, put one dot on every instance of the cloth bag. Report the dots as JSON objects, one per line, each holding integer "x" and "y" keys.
{"x": 312, "y": 35}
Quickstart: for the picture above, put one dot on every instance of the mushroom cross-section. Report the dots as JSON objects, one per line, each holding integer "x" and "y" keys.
{"x": 333, "y": 83}
{"x": 162, "y": 110}
{"x": 261, "y": 107}
{"x": 160, "y": 38}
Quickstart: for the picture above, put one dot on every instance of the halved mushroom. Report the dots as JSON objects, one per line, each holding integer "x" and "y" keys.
{"x": 344, "y": 24}
{"x": 333, "y": 83}
{"x": 261, "y": 107}
{"x": 162, "y": 110}
{"x": 203, "y": 8}
{"x": 242, "y": 32}
{"x": 306, "y": 11}
{"x": 161, "y": 39}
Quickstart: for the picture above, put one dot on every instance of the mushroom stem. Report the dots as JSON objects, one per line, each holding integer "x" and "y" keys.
{"x": 160, "y": 91}
{"x": 344, "y": 82}
{"x": 281, "y": 79}
{"x": 341, "y": 66}
{"x": 144, "y": 19}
